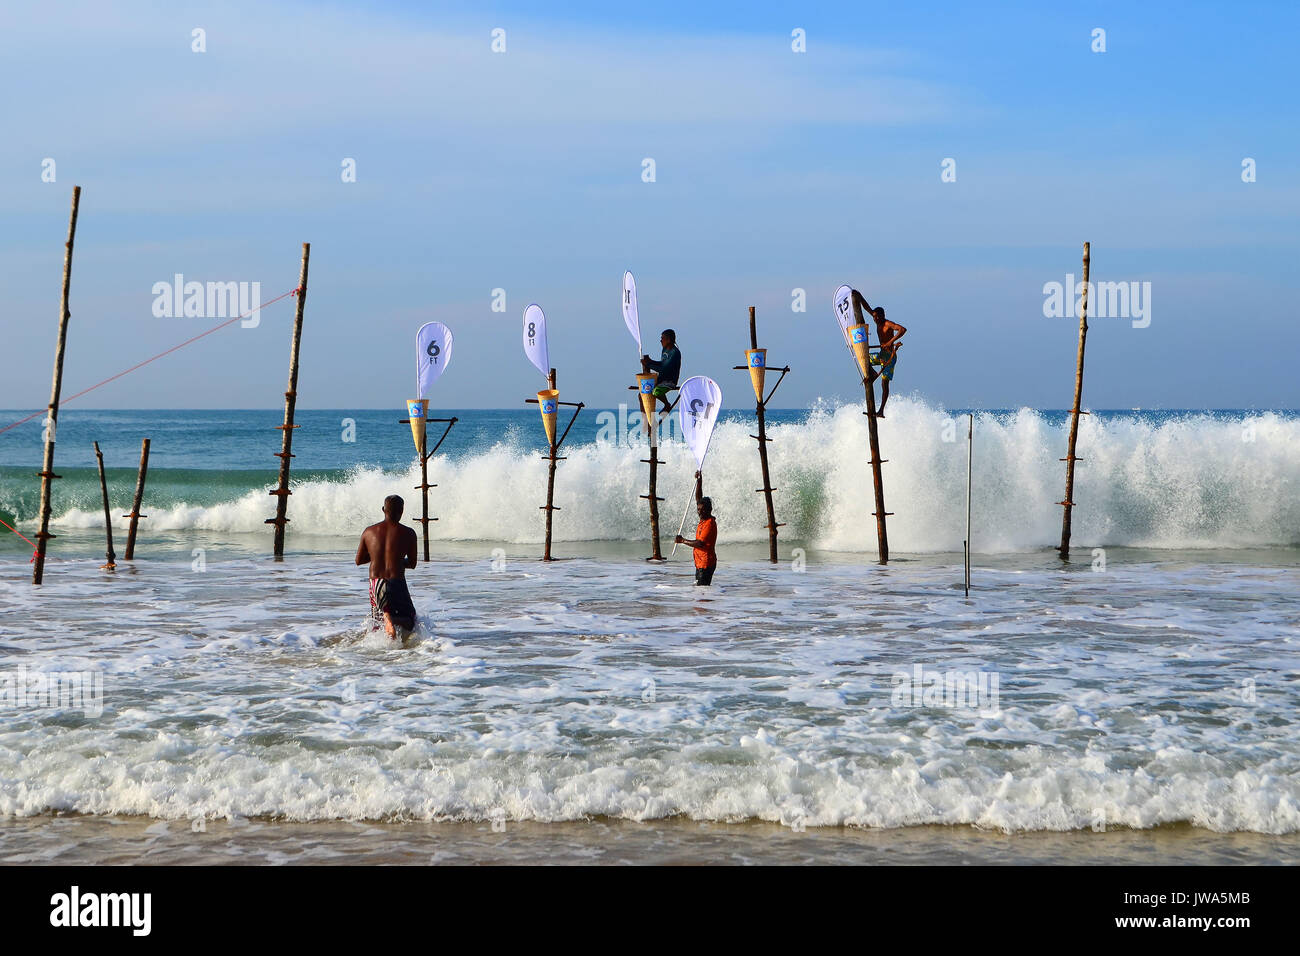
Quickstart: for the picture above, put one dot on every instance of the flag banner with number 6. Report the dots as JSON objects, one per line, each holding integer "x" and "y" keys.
{"x": 535, "y": 339}
{"x": 630, "y": 314}
{"x": 432, "y": 355}
{"x": 699, "y": 403}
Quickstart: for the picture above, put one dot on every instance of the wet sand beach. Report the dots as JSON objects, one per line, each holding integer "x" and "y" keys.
{"x": 134, "y": 840}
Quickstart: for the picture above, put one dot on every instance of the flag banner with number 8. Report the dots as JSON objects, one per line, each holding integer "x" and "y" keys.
{"x": 535, "y": 346}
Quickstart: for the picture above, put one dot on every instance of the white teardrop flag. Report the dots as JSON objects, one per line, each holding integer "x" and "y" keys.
{"x": 856, "y": 337}
{"x": 535, "y": 346}
{"x": 844, "y": 310}
{"x": 699, "y": 403}
{"x": 630, "y": 315}
{"x": 432, "y": 355}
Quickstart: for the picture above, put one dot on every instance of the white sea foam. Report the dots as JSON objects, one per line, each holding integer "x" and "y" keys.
{"x": 1147, "y": 694}
{"x": 1194, "y": 482}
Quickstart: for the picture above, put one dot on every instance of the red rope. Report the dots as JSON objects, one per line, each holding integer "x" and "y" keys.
{"x": 23, "y": 536}
{"x": 111, "y": 378}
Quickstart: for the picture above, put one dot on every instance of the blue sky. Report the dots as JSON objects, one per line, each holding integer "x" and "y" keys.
{"x": 775, "y": 171}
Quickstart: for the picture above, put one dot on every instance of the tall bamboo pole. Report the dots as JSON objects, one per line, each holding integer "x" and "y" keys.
{"x": 1070, "y": 458}
{"x": 282, "y": 491}
{"x": 108, "y": 520}
{"x": 654, "y": 498}
{"x": 878, "y": 484}
{"x": 135, "y": 515}
{"x": 761, "y": 412}
{"x": 424, "y": 485}
{"x": 552, "y": 457}
{"x": 47, "y": 464}
{"x": 424, "y": 500}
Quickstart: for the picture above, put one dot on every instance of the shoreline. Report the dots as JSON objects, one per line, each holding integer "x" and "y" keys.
{"x": 116, "y": 840}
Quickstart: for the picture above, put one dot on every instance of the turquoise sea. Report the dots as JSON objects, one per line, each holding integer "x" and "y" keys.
{"x": 1142, "y": 695}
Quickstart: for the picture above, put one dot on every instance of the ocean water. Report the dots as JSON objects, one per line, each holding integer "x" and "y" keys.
{"x": 1151, "y": 682}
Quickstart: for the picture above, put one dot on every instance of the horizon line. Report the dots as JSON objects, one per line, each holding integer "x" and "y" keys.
{"x": 498, "y": 408}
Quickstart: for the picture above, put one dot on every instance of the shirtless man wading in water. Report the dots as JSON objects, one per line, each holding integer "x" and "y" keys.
{"x": 389, "y": 547}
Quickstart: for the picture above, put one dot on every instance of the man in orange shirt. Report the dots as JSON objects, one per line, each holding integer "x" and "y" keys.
{"x": 706, "y": 536}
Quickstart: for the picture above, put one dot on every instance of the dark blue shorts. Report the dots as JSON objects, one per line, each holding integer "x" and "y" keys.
{"x": 391, "y": 596}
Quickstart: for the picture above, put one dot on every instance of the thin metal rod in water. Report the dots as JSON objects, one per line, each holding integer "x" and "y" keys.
{"x": 970, "y": 458}
{"x": 52, "y": 416}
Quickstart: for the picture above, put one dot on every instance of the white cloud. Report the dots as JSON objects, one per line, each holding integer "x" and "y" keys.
{"x": 130, "y": 83}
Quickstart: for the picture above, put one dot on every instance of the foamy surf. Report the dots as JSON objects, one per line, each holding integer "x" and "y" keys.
{"x": 1194, "y": 481}
{"x": 1153, "y": 693}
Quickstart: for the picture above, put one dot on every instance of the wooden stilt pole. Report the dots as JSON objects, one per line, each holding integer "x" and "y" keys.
{"x": 652, "y": 497}
{"x": 424, "y": 486}
{"x": 424, "y": 475}
{"x": 652, "y": 428}
{"x": 550, "y": 480}
{"x": 1075, "y": 412}
{"x": 761, "y": 437}
{"x": 135, "y": 515}
{"x": 424, "y": 501}
{"x": 882, "y": 534}
{"x": 108, "y": 519}
{"x": 552, "y": 457}
{"x": 52, "y": 416}
{"x": 282, "y": 491}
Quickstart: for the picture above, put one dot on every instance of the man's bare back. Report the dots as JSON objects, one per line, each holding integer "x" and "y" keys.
{"x": 389, "y": 548}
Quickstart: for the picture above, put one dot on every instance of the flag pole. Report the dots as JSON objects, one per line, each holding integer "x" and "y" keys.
{"x": 685, "y": 512}
{"x": 52, "y": 417}
{"x": 687, "y": 509}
